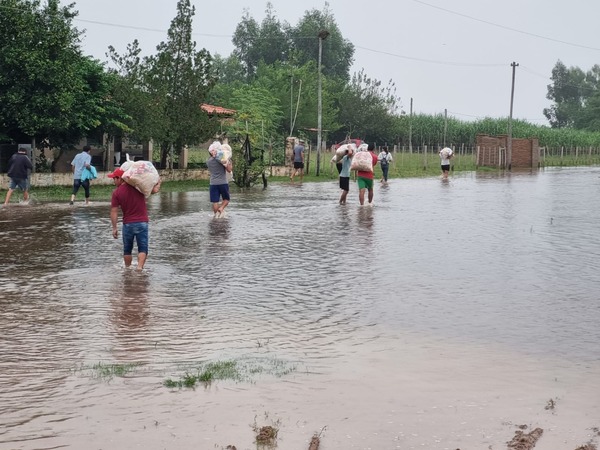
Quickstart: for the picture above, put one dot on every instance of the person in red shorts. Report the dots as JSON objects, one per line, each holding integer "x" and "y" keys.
{"x": 365, "y": 179}
{"x": 135, "y": 217}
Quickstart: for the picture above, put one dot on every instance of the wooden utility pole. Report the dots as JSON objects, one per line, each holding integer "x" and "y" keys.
{"x": 410, "y": 126}
{"x": 514, "y": 65}
{"x": 322, "y": 36}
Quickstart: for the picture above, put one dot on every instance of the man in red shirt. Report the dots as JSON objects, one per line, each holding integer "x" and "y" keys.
{"x": 135, "y": 217}
{"x": 365, "y": 179}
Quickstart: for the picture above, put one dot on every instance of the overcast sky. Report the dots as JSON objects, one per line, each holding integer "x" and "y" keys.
{"x": 444, "y": 54}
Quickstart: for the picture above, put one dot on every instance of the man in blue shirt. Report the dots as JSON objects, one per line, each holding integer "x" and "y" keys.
{"x": 82, "y": 160}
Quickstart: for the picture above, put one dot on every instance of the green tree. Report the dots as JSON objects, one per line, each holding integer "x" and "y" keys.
{"x": 144, "y": 115}
{"x": 337, "y": 53}
{"x": 267, "y": 42}
{"x": 179, "y": 79}
{"x": 589, "y": 118}
{"x": 568, "y": 91}
{"x": 258, "y": 116}
{"x": 244, "y": 39}
{"x": 48, "y": 90}
{"x": 272, "y": 44}
{"x": 368, "y": 109}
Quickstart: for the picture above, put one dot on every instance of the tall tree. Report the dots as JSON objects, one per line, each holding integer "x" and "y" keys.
{"x": 129, "y": 87}
{"x": 258, "y": 116}
{"x": 244, "y": 39}
{"x": 272, "y": 45}
{"x": 179, "y": 79}
{"x": 368, "y": 108}
{"x": 337, "y": 53}
{"x": 568, "y": 91}
{"x": 48, "y": 90}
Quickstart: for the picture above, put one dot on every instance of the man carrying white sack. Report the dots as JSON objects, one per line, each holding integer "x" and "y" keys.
{"x": 445, "y": 155}
{"x": 135, "y": 217}
{"x": 219, "y": 187}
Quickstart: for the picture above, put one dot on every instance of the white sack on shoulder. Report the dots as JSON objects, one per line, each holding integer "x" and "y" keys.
{"x": 126, "y": 165}
{"x": 224, "y": 154}
{"x": 143, "y": 176}
{"x": 340, "y": 152}
{"x": 446, "y": 152}
{"x": 362, "y": 161}
{"x": 214, "y": 148}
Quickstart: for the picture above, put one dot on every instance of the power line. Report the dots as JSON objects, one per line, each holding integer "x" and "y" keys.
{"x": 432, "y": 61}
{"x": 507, "y": 28}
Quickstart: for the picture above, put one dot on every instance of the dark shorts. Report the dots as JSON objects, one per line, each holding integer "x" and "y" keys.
{"x": 138, "y": 232}
{"x": 345, "y": 183}
{"x": 446, "y": 167}
{"x": 218, "y": 191}
{"x": 298, "y": 165}
{"x": 19, "y": 183}
{"x": 85, "y": 184}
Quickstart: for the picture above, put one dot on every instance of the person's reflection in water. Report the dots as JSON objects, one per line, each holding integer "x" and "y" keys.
{"x": 130, "y": 310}
{"x": 218, "y": 232}
{"x": 365, "y": 218}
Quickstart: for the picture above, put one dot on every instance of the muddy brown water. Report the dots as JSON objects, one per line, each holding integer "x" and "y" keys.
{"x": 442, "y": 318}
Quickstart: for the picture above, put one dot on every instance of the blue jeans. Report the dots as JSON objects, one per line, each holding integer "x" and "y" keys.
{"x": 384, "y": 169}
{"x": 137, "y": 231}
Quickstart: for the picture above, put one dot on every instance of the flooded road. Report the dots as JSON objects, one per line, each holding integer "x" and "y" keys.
{"x": 441, "y": 318}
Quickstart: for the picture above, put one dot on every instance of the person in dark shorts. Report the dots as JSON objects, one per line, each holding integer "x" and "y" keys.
{"x": 81, "y": 161}
{"x": 345, "y": 162}
{"x": 298, "y": 161}
{"x": 219, "y": 186}
{"x": 19, "y": 167}
{"x": 445, "y": 155}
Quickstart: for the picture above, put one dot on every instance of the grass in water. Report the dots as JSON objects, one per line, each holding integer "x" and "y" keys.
{"x": 109, "y": 371}
{"x": 229, "y": 370}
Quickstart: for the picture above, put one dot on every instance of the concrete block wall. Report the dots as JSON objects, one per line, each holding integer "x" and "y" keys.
{"x": 66, "y": 179}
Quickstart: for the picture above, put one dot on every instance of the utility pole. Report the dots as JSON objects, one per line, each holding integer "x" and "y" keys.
{"x": 410, "y": 126}
{"x": 322, "y": 36}
{"x": 291, "y": 104}
{"x": 514, "y": 65}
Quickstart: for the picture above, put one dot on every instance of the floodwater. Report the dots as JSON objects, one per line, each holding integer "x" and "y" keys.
{"x": 443, "y": 317}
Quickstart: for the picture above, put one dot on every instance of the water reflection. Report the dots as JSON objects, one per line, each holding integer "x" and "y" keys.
{"x": 480, "y": 271}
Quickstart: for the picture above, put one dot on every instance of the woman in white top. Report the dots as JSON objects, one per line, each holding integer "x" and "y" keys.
{"x": 385, "y": 158}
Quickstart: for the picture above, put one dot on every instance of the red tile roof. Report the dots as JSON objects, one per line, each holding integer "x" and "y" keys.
{"x": 218, "y": 110}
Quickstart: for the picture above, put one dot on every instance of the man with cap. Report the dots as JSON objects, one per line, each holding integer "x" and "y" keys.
{"x": 19, "y": 167}
{"x": 135, "y": 217}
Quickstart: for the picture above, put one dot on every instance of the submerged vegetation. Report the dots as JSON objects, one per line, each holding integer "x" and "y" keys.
{"x": 234, "y": 370}
{"x": 107, "y": 371}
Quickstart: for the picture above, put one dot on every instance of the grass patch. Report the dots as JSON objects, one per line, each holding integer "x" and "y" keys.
{"x": 239, "y": 371}
{"x": 104, "y": 192}
{"x": 109, "y": 371}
